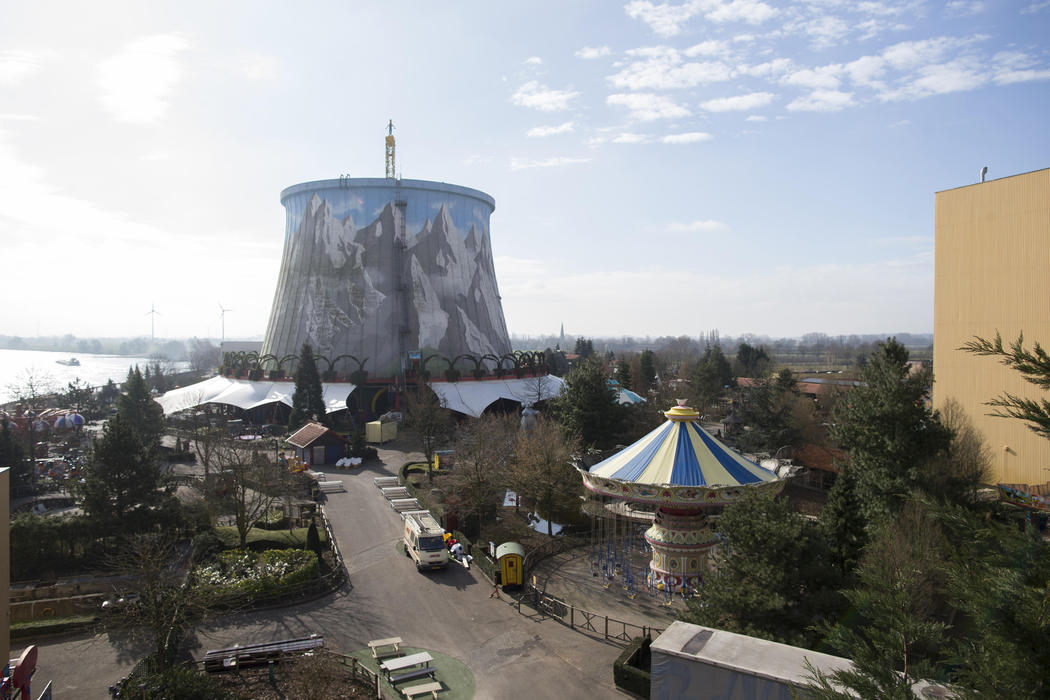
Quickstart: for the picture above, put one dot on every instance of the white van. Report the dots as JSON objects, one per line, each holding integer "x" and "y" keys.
{"x": 424, "y": 541}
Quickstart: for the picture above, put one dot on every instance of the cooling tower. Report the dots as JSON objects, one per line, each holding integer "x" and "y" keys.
{"x": 378, "y": 267}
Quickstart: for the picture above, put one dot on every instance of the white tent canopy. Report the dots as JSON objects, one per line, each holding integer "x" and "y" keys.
{"x": 469, "y": 397}
{"x": 247, "y": 394}
{"x": 472, "y": 398}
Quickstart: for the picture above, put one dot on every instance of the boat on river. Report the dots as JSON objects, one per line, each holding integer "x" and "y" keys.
{"x": 71, "y": 362}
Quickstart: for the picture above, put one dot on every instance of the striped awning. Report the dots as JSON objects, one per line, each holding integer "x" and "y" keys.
{"x": 681, "y": 453}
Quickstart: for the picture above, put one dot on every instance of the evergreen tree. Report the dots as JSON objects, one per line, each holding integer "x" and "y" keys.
{"x": 889, "y": 431}
{"x": 772, "y": 579}
{"x": 647, "y": 367}
{"x": 121, "y": 477}
{"x": 711, "y": 376}
{"x": 842, "y": 522}
{"x": 587, "y": 406}
{"x": 140, "y": 412}
{"x": 1034, "y": 367}
{"x": 584, "y": 348}
{"x": 623, "y": 373}
{"x": 753, "y": 361}
{"x": 13, "y": 456}
{"x": 308, "y": 399}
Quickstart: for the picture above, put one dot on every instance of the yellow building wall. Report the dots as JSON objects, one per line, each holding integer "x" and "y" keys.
{"x": 992, "y": 273}
{"x": 5, "y": 564}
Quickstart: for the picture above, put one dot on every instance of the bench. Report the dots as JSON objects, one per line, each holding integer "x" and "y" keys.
{"x": 331, "y": 486}
{"x": 409, "y": 675}
{"x": 259, "y": 654}
{"x": 392, "y": 492}
{"x": 376, "y": 645}
{"x": 403, "y": 504}
{"x": 414, "y": 690}
{"x": 386, "y": 481}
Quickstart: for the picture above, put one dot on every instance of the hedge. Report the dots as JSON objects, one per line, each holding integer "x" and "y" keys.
{"x": 626, "y": 672}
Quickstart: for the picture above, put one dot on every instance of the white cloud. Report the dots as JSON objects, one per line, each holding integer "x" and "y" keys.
{"x": 940, "y": 78}
{"x": 756, "y": 118}
{"x": 533, "y": 61}
{"x": 648, "y": 106}
{"x": 1036, "y": 7}
{"x": 668, "y": 20}
{"x": 541, "y": 131}
{"x": 16, "y": 66}
{"x": 738, "y": 103}
{"x": 477, "y": 160}
{"x": 826, "y": 31}
{"x": 867, "y": 70}
{"x": 822, "y": 101}
{"x": 137, "y": 82}
{"x": 965, "y": 8}
{"x": 712, "y": 47}
{"x": 686, "y": 137}
{"x": 662, "y": 68}
{"x": 537, "y": 96}
{"x": 630, "y": 138}
{"x": 1021, "y": 76}
{"x": 822, "y": 77}
{"x": 769, "y": 69}
{"x": 704, "y": 226}
{"x": 555, "y": 162}
{"x": 591, "y": 52}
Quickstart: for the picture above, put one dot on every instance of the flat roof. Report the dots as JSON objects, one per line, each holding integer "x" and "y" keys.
{"x": 1005, "y": 177}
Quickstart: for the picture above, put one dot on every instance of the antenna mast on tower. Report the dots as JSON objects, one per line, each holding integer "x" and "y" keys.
{"x": 390, "y": 149}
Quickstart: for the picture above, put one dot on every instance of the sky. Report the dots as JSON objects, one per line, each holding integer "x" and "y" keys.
{"x": 659, "y": 168}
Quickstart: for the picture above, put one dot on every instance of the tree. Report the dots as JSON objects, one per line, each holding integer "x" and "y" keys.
{"x": 958, "y": 473}
{"x": 587, "y": 406}
{"x": 154, "y": 569}
{"x": 1034, "y": 367}
{"x": 542, "y": 471}
{"x": 484, "y": 448}
{"x": 711, "y": 376}
{"x": 888, "y": 430}
{"x": 623, "y": 373}
{"x": 13, "y": 456}
{"x": 204, "y": 356}
{"x": 308, "y": 399}
{"x": 753, "y": 361}
{"x": 647, "y": 371}
{"x": 121, "y": 479}
{"x": 30, "y": 385}
{"x": 767, "y": 408}
{"x": 584, "y": 348}
{"x": 900, "y": 633}
{"x": 428, "y": 418}
{"x": 139, "y": 411}
{"x": 771, "y": 579}
{"x": 252, "y": 484}
{"x": 78, "y": 394}
{"x": 842, "y": 523}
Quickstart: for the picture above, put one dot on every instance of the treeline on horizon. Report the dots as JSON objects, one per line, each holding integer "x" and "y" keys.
{"x": 808, "y": 349}
{"x": 174, "y": 350}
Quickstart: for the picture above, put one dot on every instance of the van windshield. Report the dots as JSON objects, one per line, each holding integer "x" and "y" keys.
{"x": 431, "y": 544}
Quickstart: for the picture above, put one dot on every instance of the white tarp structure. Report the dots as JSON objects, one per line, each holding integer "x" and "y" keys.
{"x": 469, "y": 397}
{"x": 472, "y": 398}
{"x": 246, "y": 394}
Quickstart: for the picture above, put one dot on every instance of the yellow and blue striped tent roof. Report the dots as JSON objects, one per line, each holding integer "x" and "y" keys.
{"x": 681, "y": 453}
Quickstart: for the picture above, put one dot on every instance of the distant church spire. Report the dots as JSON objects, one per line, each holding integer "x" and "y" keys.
{"x": 561, "y": 340}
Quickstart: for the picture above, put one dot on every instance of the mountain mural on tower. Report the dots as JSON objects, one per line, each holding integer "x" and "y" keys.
{"x": 357, "y": 290}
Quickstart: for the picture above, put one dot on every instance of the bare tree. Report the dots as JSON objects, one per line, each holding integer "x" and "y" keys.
{"x": 542, "y": 470}
{"x": 484, "y": 449}
{"x": 426, "y": 415}
{"x": 31, "y": 384}
{"x": 248, "y": 484}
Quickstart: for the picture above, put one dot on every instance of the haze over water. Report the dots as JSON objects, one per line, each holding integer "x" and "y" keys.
{"x": 94, "y": 370}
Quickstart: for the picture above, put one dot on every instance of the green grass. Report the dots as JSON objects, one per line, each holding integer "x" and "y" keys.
{"x": 453, "y": 674}
{"x": 46, "y": 625}
{"x": 268, "y": 539}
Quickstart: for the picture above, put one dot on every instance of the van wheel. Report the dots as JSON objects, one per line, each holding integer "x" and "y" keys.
{"x": 406, "y": 553}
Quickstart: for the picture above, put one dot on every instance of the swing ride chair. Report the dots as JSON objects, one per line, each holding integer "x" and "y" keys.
{"x": 686, "y": 473}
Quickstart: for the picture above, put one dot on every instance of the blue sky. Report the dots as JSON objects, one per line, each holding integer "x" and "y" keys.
{"x": 658, "y": 168}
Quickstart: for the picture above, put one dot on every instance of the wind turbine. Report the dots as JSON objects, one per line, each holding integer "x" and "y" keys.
{"x": 152, "y": 313}
{"x": 222, "y": 315}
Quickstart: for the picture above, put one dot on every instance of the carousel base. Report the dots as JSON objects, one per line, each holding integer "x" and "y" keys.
{"x": 674, "y": 583}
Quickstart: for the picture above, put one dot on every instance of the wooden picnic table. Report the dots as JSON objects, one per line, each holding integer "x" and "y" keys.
{"x": 402, "y": 662}
{"x": 377, "y": 644}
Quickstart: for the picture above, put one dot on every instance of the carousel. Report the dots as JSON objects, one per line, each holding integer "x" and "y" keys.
{"x": 687, "y": 474}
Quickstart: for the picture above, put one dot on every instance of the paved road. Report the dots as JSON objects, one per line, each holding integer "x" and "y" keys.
{"x": 449, "y": 611}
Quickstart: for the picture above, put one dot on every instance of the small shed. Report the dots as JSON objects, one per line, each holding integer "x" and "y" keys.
{"x": 510, "y": 556}
{"x": 317, "y": 445}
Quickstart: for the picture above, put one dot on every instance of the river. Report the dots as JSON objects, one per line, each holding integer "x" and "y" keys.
{"x": 94, "y": 370}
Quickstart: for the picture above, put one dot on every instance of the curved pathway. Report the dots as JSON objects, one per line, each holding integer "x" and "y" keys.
{"x": 448, "y": 611}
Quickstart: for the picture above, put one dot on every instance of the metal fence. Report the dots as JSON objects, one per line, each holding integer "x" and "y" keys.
{"x": 585, "y": 621}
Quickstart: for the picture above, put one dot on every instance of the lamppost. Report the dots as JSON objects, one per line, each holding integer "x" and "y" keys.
{"x": 30, "y": 415}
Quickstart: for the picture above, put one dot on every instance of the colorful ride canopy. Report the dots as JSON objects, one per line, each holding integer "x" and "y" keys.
{"x": 680, "y": 453}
